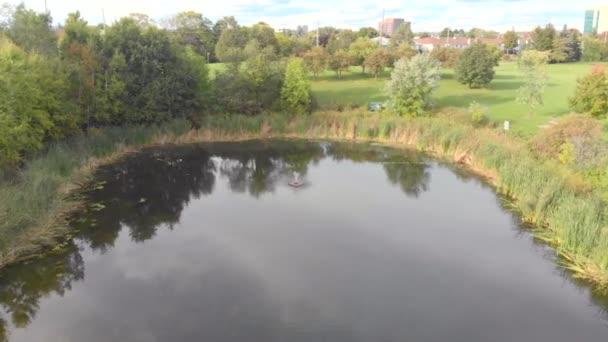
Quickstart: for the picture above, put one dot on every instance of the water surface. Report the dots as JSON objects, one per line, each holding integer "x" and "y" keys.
{"x": 210, "y": 243}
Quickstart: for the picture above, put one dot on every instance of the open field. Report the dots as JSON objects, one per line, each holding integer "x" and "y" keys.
{"x": 499, "y": 98}
{"x": 360, "y": 89}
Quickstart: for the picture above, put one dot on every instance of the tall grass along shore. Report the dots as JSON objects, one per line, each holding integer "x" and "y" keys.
{"x": 567, "y": 211}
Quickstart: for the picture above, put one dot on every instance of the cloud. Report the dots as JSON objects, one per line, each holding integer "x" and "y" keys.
{"x": 430, "y": 15}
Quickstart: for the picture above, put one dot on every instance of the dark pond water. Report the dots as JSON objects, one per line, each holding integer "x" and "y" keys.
{"x": 209, "y": 243}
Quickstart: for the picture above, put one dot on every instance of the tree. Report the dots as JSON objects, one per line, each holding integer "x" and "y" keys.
{"x": 510, "y": 40}
{"x": 286, "y": 44}
{"x": 572, "y": 44}
{"x": 591, "y": 96}
{"x": 265, "y": 35}
{"x": 543, "y": 39}
{"x": 194, "y": 30}
{"x": 412, "y": 85}
{"x": 296, "y": 89}
{"x": 340, "y": 41}
{"x": 481, "y": 33}
{"x": 368, "y": 32}
{"x": 532, "y": 65}
{"x": 476, "y": 66}
{"x": 32, "y": 31}
{"x": 340, "y": 61}
{"x": 360, "y": 49}
{"x": 80, "y": 56}
{"x": 593, "y": 50}
{"x": 403, "y": 36}
{"x": 377, "y": 61}
{"x": 558, "y": 53}
{"x": 229, "y": 48}
{"x": 222, "y": 24}
{"x": 316, "y": 60}
{"x": 447, "y": 56}
{"x": 403, "y": 51}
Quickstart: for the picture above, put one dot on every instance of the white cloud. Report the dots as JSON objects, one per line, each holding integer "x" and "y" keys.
{"x": 431, "y": 15}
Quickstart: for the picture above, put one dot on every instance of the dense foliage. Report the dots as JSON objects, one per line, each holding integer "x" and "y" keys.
{"x": 591, "y": 94}
{"x": 412, "y": 84}
{"x": 296, "y": 90}
{"x": 475, "y": 67}
{"x": 127, "y": 73}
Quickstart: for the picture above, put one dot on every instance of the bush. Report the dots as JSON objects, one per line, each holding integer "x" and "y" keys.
{"x": 412, "y": 84}
{"x": 476, "y": 66}
{"x": 296, "y": 89}
{"x": 577, "y": 129}
{"x": 478, "y": 114}
{"x": 591, "y": 94}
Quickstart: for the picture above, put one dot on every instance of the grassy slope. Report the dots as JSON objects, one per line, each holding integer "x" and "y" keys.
{"x": 499, "y": 98}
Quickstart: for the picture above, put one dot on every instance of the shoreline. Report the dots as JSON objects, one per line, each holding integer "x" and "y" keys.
{"x": 334, "y": 127}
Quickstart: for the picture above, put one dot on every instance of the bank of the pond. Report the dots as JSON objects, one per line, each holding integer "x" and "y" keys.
{"x": 573, "y": 219}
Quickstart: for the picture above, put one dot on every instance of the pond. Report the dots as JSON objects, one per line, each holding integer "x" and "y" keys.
{"x": 209, "y": 242}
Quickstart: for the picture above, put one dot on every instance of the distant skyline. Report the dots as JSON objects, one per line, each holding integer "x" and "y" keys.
{"x": 429, "y": 15}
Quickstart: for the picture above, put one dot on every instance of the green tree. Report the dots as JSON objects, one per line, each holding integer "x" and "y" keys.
{"x": 572, "y": 42}
{"x": 32, "y": 31}
{"x": 412, "y": 85}
{"x": 231, "y": 44}
{"x": 543, "y": 39}
{"x": 593, "y": 50}
{"x": 591, "y": 96}
{"x": 403, "y": 36}
{"x": 532, "y": 65}
{"x": 265, "y": 35}
{"x": 286, "y": 44}
{"x": 316, "y": 60}
{"x": 296, "y": 89}
{"x": 510, "y": 40}
{"x": 340, "y": 61}
{"x": 194, "y": 30}
{"x": 447, "y": 56}
{"x": 360, "y": 49}
{"x": 340, "y": 40}
{"x": 475, "y": 67}
{"x": 377, "y": 61}
{"x": 368, "y": 32}
{"x": 558, "y": 53}
{"x": 23, "y": 124}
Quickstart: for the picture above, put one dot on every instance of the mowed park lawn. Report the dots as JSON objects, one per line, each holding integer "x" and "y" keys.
{"x": 355, "y": 88}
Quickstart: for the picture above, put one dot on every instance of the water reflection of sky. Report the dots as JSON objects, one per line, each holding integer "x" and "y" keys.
{"x": 223, "y": 250}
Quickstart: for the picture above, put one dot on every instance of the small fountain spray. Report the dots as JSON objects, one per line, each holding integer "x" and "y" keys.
{"x": 296, "y": 183}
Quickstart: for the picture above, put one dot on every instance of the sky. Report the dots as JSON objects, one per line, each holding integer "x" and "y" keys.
{"x": 425, "y": 15}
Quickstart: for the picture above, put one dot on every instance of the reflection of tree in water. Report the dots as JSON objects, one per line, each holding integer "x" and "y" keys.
{"x": 150, "y": 189}
{"x": 23, "y": 286}
{"x": 404, "y": 168}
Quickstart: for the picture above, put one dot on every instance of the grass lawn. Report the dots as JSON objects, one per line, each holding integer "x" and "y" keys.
{"x": 499, "y": 98}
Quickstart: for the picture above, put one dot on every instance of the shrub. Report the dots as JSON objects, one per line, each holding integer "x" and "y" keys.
{"x": 412, "y": 84}
{"x": 478, "y": 114}
{"x": 476, "y": 66}
{"x": 296, "y": 89}
{"x": 591, "y": 94}
{"x": 576, "y": 129}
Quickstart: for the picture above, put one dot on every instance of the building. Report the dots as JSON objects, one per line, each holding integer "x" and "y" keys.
{"x": 391, "y": 25}
{"x": 430, "y": 43}
{"x": 596, "y": 20}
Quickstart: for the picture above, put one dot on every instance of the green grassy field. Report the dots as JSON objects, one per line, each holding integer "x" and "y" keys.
{"x": 499, "y": 99}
